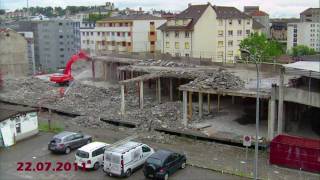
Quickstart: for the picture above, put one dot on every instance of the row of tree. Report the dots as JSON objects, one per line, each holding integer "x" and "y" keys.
{"x": 266, "y": 50}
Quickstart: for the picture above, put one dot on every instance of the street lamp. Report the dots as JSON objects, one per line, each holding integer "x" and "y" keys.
{"x": 254, "y": 59}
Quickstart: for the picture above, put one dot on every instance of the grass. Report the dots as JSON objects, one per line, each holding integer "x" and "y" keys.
{"x": 55, "y": 128}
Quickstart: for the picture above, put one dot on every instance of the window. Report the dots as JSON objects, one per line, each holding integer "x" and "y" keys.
{"x": 120, "y": 24}
{"x": 91, "y": 33}
{"x": 110, "y": 24}
{"x": 83, "y": 33}
{"x": 176, "y": 44}
{"x": 230, "y": 53}
{"x": 60, "y": 24}
{"x": 248, "y": 32}
{"x": 220, "y": 54}
{"x": 145, "y": 149}
{"x": 167, "y": 34}
{"x": 18, "y": 128}
{"x": 220, "y": 33}
{"x": 176, "y": 34}
{"x": 88, "y": 41}
{"x": 230, "y": 43}
{"x": 152, "y": 43}
{"x": 82, "y": 154}
{"x": 98, "y": 33}
{"x": 118, "y": 33}
{"x": 187, "y": 55}
{"x": 78, "y": 136}
{"x": 248, "y": 22}
{"x": 61, "y": 49}
{"x": 152, "y": 23}
{"x": 187, "y": 34}
{"x": 84, "y": 41}
{"x": 186, "y": 45}
{"x": 103, "y": 33}
{"x": 92, "y": 42}
{"x": 220, "y": 22}
{"x": 129, "y": 43}
{"x": 239, "y": 32}
{"x": 230, "y": 22}
{"x": 152, "y": 33}
{"x": 239, "y": 21}
{"x": 60, "y": 36}
{"x": 129, "y": 33}
{"x": 167, "y": 45}
{"x": 220, "y": 43}
{"x": 230, "y": 33}
{"x": 87, "y": 33}
{"x": 126, "y": 24}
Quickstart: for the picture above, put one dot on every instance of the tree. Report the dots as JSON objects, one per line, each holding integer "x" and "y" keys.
{"x": 259, "y": 45}
{"x": 2, "y": 11}
{"x": 301, "y": 50}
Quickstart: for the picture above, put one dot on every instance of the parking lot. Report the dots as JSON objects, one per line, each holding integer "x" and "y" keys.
{"x": 35, "y": 150}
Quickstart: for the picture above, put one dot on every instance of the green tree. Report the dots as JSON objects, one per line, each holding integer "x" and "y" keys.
{"x": 259, "y": 45}
{"x": 301, "y": 50}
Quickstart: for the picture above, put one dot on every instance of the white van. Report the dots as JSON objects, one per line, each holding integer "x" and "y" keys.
{"x": 91, "y": 155}
{"x": 123, "y": 159}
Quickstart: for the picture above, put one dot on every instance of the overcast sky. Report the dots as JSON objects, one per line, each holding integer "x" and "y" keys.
{"x": 276, "y": 8}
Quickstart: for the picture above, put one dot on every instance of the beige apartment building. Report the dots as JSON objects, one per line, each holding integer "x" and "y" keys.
{"x": 127, "y": 33}
{"x": 206, "y": 31}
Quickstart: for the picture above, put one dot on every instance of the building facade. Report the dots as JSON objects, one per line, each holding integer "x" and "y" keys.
{"x": 304, "y": 33}
{"x": 126, "y": 33}
{"x": 13, "y": 54}
{"x": 206, "y": 31}
{"x": 55, "y": 41}
{"x": 310, "y": 15}
{"x": 30, "y": 41}
{"x": 260, "y": 16}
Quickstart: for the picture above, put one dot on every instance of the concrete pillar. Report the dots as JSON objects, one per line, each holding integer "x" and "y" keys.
{"x": 171, "y": 90}
{"x": 280, "y": 105}
{"x": 200, "y": 104}
{"x": 141, "y": 94}
{"x": 209, "y": 108}
{"x": 122, "y": 100}
{"x": 218, "y": 106}
{"x": 184, "y": 109}
{"x": 190, "y": 105}
{"x": 272, "y": 113}
{"x": 93, "y": 70}
{"x": 159, "y": 90}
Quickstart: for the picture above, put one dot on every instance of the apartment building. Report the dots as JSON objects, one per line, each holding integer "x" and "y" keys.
{"x": 55, "y": 41}
{"x": 260, "y": 16}
{"x": 206, "y": 31}
{"x": 125, "y": 33}
{"x": 310, "y": 15}
{"x": 304, "y": 33}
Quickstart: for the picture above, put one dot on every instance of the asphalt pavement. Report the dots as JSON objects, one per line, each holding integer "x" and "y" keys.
{"x": 34, "y": 150}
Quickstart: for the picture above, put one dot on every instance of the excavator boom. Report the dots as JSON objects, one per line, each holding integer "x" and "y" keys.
{"x": 66, "y": 77}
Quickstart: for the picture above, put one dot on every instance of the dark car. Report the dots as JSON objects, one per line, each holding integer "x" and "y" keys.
{"x": 66, "y": 141}
{"x": 163, "y": 163}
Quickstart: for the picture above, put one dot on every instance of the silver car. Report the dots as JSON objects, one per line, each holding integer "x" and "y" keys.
{"x": 66, "y": 141}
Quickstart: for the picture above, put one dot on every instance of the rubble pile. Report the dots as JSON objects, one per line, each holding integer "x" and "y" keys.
{"x": 89, "y": 121}
{"x": 220, "y": 79}
{"x": 163, "y": 63}
{"x": 167, "y": 114}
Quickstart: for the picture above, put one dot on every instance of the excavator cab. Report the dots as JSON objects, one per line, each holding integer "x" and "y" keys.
{"x": 66, "y": 77}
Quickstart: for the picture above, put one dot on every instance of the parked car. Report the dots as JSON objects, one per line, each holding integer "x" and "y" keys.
{"x": 124, "y": 159}
{"x": 66, "y": 141}
{"x": 163, "y": 163}
{"x": 91, "y": 155}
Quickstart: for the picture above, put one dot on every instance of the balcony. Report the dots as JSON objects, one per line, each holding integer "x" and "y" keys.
{"x": 153, "y": 37}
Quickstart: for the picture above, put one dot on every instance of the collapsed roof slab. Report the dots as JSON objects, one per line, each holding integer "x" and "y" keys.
{"x": 229, "y": 92}
{"x": 115, "y": 60}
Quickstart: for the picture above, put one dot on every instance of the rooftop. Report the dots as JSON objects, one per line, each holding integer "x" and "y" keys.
{"x": 92, "y": 146}
{"x": 310, "y": 11}
{"x": 8, "y": 111}
{"x": 133, "y": 17}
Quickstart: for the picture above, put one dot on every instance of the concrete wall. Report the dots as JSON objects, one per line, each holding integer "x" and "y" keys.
{"x": 28, "y": 124}
{"x": 301, "y": 96}
{"x": 13, "y": 54}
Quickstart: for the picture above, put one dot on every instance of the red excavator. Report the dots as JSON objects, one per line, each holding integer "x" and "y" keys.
{"x": 66, "y": 77}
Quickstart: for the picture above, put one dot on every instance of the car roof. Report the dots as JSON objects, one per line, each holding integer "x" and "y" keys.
{"x": 125, "y": 147}
{"x": 92, "y": 146}
{"x": 161, "y": 154}
{"x": 63, "y": 134}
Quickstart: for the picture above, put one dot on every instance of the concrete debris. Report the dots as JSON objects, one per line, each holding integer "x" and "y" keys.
{"x": 220, "y": 79}
{"x": 163, "y": 63}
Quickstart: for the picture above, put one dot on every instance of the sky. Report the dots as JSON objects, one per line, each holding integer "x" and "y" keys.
{"x": 275, "y": 8}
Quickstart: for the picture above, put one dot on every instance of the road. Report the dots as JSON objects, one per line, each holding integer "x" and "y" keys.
{"x": 35, "y": 150}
